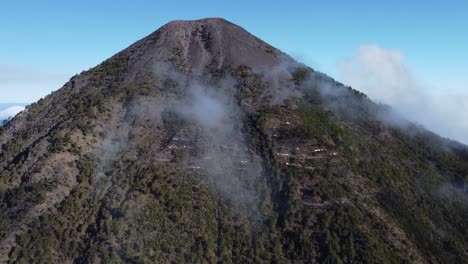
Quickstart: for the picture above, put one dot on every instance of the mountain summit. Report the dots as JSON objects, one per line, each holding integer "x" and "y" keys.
{"x": 201, "y": 143}
{"x": 202, "y": 42}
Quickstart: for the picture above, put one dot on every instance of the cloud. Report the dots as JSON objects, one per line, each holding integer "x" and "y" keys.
{"x": 384, "y": 76}
{"x": 10, "y": 111}
{"x": 203, "y": 107}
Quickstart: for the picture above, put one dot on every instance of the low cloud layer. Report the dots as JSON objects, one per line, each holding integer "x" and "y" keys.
{"x": 384, "y": 76}
{"x": 10, "y": 112}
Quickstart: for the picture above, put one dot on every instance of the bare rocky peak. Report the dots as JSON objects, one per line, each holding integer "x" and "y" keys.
{"x": 194, "y": 44}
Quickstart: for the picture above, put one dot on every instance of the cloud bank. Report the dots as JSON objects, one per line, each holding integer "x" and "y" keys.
{"x": 10, "y": 112}
{"x": 384, "y": 76}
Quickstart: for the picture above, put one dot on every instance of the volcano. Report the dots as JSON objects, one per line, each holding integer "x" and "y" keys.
{"x": 201, "y": 143}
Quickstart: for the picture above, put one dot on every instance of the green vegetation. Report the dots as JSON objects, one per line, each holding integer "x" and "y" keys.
{"x": 300, "y": 74}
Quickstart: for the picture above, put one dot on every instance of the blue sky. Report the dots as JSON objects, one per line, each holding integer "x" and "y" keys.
{"x": 44, "y": 43}
{"x": 60, "y": 38}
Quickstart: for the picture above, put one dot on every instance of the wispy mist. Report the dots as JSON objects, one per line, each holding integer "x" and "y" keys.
{"x": 279, "y": 80}
{"x": 204, "y": 118}
{"x": 384, "y": 76}
{"x": 225, "y": 156}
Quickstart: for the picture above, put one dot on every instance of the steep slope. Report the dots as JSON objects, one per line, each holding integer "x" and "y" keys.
{"x": 201, "y": 143}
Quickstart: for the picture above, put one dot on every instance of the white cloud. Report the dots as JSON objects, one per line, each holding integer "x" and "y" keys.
{"x": 10, "y": 111}
{"x": 384, "y": 76}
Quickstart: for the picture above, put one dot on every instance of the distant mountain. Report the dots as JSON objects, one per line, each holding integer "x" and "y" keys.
{"x": 203, "y": 144}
